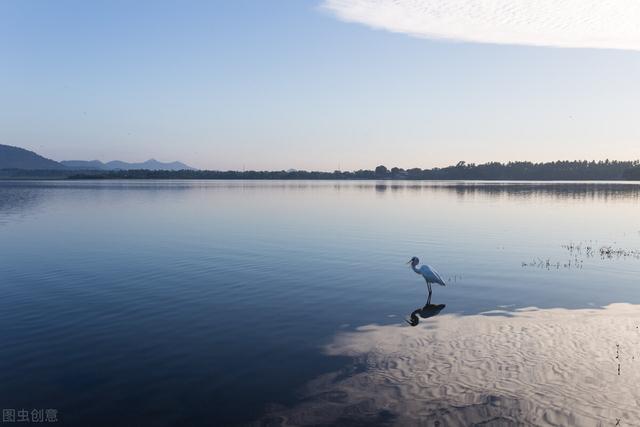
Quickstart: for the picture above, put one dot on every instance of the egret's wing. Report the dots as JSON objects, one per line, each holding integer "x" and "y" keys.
{"x": 431, "y": 275}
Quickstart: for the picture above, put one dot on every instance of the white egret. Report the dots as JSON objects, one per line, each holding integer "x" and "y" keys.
{"x": 427, "y": 272}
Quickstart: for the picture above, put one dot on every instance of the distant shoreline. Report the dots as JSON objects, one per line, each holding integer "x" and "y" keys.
{"x": 513, "y": 171}
{"x": 488, "y": 180}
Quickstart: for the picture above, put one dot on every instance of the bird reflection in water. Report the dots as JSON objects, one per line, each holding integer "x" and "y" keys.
{"x": 429, "y": 310}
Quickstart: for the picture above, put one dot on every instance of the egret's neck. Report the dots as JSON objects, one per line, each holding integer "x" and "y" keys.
{"x": 413, "y": 267}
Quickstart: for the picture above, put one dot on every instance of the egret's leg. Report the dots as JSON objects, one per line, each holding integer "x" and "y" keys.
{"x": 429, "y": 297}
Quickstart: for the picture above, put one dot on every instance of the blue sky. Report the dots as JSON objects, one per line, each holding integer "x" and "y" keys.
{"x": 292, "y": 84}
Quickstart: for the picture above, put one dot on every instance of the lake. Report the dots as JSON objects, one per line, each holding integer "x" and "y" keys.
{"x": 284, "y": 302}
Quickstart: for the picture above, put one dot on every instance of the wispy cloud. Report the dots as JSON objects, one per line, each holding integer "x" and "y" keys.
{"x": 609, "y": 24}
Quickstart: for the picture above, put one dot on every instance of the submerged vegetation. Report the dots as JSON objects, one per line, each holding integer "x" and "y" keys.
{"x": 578, "y": 252}
{"x": 550, "y": 171}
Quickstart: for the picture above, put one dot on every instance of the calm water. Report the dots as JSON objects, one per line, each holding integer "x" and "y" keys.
{"x": 200, "y": 303}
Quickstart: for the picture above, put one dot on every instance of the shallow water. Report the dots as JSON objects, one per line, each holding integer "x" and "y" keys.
{"x": 536, "y": 367}
{"x": 195, "y": 302}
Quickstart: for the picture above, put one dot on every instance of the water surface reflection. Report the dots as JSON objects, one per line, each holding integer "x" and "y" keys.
{"x": 174, "y": 302}
{"x": 531, "y": 366}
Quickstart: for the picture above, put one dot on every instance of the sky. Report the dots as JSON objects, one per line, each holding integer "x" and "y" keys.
{"x": 321, "y": 84}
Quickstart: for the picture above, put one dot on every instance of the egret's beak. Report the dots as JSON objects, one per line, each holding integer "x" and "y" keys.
{"x": 409, "y": 262}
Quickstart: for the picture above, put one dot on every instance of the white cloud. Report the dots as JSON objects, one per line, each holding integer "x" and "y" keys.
{"x": 609, "y": 24}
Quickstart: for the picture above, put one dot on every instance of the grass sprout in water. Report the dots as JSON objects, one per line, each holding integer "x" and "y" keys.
{"x": 579, "y": 252}
{"x": 608, "y": 252}
{"x": 589, "y": 250}
{"x": 548, "y": 264}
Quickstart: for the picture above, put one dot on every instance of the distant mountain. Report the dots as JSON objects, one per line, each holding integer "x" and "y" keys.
{"x": 19, "y": 158}
{"x": 151, "y": 164}
{"x": 83, "y": 164}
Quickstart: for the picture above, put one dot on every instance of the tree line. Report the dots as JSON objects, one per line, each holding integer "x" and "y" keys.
{"x": 547, "y": 171}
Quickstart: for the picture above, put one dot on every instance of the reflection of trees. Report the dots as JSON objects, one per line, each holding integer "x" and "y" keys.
{"x": 575, "y": 191}
{"x": 559, "y": 190}
{"x": 19, "y": 199}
